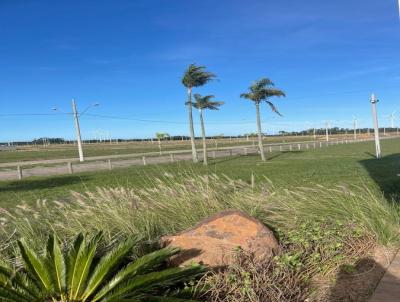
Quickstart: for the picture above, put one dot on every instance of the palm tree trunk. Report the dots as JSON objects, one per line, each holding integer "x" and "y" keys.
{"x": 159, "y": 146}
{"x": 191, "y": 128}
{"x": 203, "y": 134}
{"x": 260, "y": 142}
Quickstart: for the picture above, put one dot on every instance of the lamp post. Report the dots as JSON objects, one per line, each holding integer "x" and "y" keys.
{"x": 355, "y": 126}
{"x": 327, "y": 131}
{"x": 376, "y": 127}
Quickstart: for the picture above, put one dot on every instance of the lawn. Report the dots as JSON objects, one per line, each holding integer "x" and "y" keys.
{"x": 339, "y": 164}
{"x": 61, "y": 151}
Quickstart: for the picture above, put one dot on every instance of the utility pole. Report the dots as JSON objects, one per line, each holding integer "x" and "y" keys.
{"x": 327, "y": 131}
{"x": 376, "y": 127}
{"x": 355, "y": 127}
{"x": 78, "y": 130}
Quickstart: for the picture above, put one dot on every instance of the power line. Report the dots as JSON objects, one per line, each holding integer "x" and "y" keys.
{"x": 32, "y": 114}
{"x": 159, "y": 121}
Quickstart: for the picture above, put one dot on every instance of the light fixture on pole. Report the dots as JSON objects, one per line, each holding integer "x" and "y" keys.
{"x": 376, "y": 126}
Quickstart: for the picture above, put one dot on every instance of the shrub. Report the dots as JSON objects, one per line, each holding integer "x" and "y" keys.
{"x": 78, "y": 275}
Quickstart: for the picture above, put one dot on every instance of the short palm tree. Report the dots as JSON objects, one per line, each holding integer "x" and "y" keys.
{"x": 160, "y": 136}
{"x": 262, "y": 90}
{"x": 201, "y": 103}
{"x": 194, "y": 76}
{"x": 78, "y": 275}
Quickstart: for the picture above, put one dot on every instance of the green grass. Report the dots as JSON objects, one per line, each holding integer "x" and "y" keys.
{"x": 351, "y": 164}
{"x": 325, "y": 206}
{"x": 29, "y": 153}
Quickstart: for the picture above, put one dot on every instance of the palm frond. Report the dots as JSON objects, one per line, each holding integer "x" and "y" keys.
{"x": 35, "y": 266}
{"x": 105, "y": 266}
{"x": 12, "y": 295}
{"x": 78, "y": 275}
{"x": 261, "y": 84}
{"x": 196, "y": 76}
{"x": 72, "y": 256}
{"x": 262, "y": 90}
{"x": 56, "y": 263}
{"x": 19, "y": 281}
{"x": 83, "y": 263}
{"x": 273, "y": 108}
{"x": 142, "y": 265}
{"x": 205, "y": 102}
{"x": 155, "y": 280}
{"x": 249, "y": 96}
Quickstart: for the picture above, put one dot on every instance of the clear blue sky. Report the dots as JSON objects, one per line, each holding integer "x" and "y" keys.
{"x": 129, "y": 55}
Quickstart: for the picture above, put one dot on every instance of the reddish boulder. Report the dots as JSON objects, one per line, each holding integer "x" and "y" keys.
{"x": 213, "y": 241}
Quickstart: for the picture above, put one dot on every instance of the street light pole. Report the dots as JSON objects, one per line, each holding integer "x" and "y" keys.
{"x": 376, "y": 127}
{"x": 326, "y": 131}
{"x": 78, "y": 130}
{"x": 355, "y": 128}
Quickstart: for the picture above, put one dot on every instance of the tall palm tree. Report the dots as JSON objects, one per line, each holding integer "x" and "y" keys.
{"x": 202, "y": 103}
{"x": 194, "y": 76}
{"x": 259, "y": 91}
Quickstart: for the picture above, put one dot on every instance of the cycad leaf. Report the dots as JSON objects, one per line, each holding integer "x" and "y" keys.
{"x": 105, "y": 266}
{"x": 142, "y": 265}
{"x": 12, "y": 295}
{"x": 82, "y": 267}
{"x": 71, "y": 257}
{"x": 17, "y": 280}
{"x": 57, "y": 263}
{"x": 35, "y": 266}
{"x": 155, "y": 280}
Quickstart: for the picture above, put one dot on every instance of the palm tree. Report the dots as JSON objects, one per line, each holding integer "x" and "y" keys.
{"x": 194, "y": 76}
{"x": 262, "y": 90}
{"x": 78, "y": 275}
{"x": 160, "y": 136}
{"x": 202, "y": 103}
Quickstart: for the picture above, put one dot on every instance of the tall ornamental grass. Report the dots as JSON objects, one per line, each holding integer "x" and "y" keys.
{"x": 178, "y": 201}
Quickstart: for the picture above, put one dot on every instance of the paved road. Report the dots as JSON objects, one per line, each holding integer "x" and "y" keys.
{"x": 388, "y": 289}
{"x": 8, "y": 171}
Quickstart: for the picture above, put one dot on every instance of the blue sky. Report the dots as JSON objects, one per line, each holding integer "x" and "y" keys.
{"x": 129, "y": 55}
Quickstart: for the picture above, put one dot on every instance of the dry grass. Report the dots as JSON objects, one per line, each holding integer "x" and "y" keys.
{"x": 250, "y": 279}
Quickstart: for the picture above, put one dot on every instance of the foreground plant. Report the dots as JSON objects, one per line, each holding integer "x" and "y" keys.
{"x": 79, "y": 275}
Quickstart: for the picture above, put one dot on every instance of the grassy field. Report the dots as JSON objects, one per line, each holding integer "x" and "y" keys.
{"x": 341, "y": 164}
{"x": 39, "y": 152}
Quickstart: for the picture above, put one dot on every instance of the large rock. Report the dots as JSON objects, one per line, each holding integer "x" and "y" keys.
{"x": 213, "y": 241}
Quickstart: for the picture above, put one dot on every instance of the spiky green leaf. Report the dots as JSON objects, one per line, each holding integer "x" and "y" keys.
{"x": 140, "y": 266}
{"x": 106, "y": 266}
{"x": 35, "y": 266}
